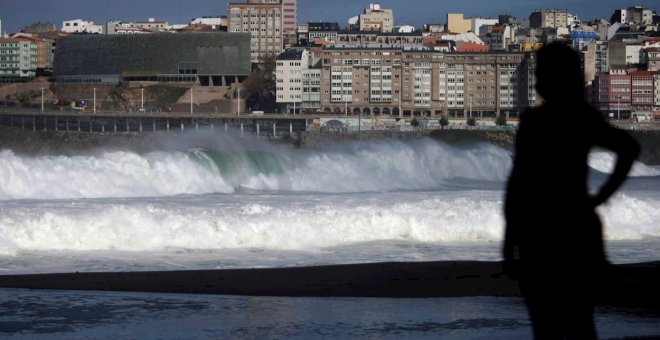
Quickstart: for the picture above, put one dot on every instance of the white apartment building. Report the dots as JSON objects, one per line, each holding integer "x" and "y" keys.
{"x": 81, "y": 26}
{"x": 289, "y": 70}
{"x": 18, "y": 58}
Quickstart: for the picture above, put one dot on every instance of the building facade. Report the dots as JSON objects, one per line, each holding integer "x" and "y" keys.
{"x": 152, "y": 24}
{"x": 418, "y": 81}
{"x": 376, "y": 18}
{"x": 271, "y": 24}
{"x": 18, "y": 59}
{"x": 457, "y": 24}
{"x": 263, "y": 21}
{"x": 652, "y": 58}
{"x": 207, "y": 59}
{"x": 289, "y": 69}
{"x": 634, "y": 15}
{"x": 549, "y": 18}
{"x": 81, "y": 26}
{"x": 642, "y": 91}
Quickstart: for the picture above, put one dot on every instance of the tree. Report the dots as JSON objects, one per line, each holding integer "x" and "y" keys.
{"x": 414, "y": 123}
{"x": 259, "y": 88}
{"x": 471, "y": 121}
{"x": 443, "y": 121}
{"x": 501, "y": 120}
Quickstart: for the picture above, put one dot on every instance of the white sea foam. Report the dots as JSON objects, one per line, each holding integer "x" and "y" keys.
{"x": 288, "y": 222}
{"x": 357, "y": 167}
{"x": 110, "y": 174}
{"x": 604, "y": 162}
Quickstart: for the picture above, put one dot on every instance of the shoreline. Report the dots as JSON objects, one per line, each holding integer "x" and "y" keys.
{"x": 633, "y": 285}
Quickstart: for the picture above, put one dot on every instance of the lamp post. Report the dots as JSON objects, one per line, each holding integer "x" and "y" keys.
{"x": 238, "y": 103}
{"x": 191, "y": 100}
{"x": 42, "y": 99}
{"x": 94, "y": 103}
{"x": 141, "y": 98}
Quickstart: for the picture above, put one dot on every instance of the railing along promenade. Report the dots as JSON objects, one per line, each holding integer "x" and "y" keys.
{"x": 273, "y": 125}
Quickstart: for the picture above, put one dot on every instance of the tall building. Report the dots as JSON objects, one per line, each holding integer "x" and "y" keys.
{"x": 289, "y": 69}
{"x": 376, "y": 18}
{"x": 18, "y": 58}
{"x": 271, "y": 24}
{"x": 289, "y": 21}
{"x": 417, "y": 81}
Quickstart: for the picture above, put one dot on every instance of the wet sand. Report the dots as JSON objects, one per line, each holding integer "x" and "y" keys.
{"x": 631, "y": 284}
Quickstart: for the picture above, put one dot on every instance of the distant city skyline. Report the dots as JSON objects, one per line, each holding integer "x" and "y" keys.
{"x": 16, "y": 14}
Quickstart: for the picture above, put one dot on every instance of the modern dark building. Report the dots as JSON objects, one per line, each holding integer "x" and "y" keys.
{"x": 209, "y": 59}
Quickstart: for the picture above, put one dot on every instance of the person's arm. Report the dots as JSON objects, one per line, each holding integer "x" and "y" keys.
{"x": 626, "y": 149}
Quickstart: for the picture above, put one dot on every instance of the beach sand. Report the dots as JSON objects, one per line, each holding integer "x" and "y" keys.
{"x": 630, "y": 284}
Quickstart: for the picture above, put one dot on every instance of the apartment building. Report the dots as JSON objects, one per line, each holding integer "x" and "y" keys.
{"x": 550, "y": 18}
{"x": 613, "y": 93}
{"x": 271, "y": 23}
{"x": 291, "y": 69}
{"x": 81, "y": 26}
{"x": 376, "y": 18}
{"x": 379, "y": 39}
{"x": 633, "y": 15}
{"x": 652, "y": 58}
{"x": 289, "y": 21}
{"x": 18, "y": 59}
{"x": 421, "y": 81}
{"x": 315, "y": 31}
{"x": 642, "y": 96}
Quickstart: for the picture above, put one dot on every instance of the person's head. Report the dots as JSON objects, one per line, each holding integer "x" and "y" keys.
{"x": 559, "y": 76}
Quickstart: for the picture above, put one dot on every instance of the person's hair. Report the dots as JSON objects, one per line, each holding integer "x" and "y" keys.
{"x": 559, "y": 75}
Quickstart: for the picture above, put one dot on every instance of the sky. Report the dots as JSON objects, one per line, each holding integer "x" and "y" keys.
{"x": 16, "y": 14}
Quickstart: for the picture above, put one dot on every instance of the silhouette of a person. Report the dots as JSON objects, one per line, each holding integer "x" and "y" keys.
{"x": 554, "y": 241}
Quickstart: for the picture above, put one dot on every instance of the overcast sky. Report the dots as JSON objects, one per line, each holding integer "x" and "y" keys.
{"x": 16, "y": 14}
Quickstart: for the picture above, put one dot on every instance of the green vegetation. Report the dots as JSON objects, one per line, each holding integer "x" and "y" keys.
{"x": 471, "y": 121}
{"x": 501, "y": 120}
{"x": 260, "y": 86}
{"x": 443, "y": 121}
{"x": 414, "y": 123}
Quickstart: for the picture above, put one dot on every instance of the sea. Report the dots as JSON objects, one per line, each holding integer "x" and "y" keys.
{"x": 219, "y": 201}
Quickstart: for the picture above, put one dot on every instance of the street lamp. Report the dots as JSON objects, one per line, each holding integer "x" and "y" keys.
{"x": 94, "y": 109}
{"x": 42, "y": 99}
{"x": 141, "y": 98}
{"x": 238, "y": 103}
{"x": 191, "y": 100}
